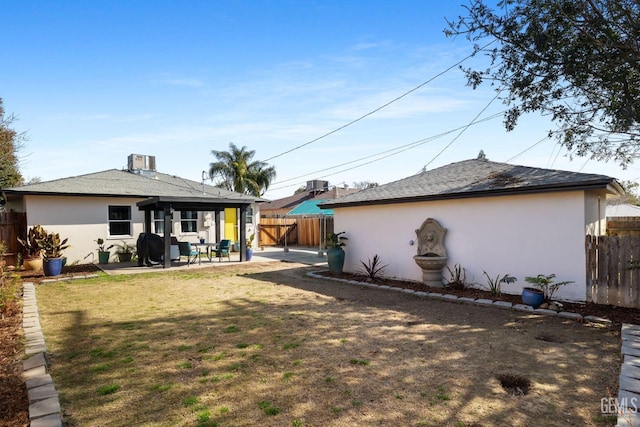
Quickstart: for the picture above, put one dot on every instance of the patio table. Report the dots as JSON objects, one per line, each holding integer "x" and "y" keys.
{"x": 208, "y": 248}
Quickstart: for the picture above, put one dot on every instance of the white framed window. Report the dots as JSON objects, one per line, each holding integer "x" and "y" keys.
{"x": 249, "y": 215}
{"x": 189, "y": 221}
{"x": 120, "y": 220}
{"x": 158, "y": 222}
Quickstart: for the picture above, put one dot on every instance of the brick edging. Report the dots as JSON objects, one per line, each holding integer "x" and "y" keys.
{"x": 44, "y": 404}
{"x": 467, "y": 300}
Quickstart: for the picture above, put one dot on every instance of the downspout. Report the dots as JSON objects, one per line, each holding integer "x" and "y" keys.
{"x": 600, "y": 218}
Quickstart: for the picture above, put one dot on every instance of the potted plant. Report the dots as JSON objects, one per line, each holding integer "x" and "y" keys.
{"x": 52, "y": 247}
{"x": 335, "y": 253}
{"x": 124, "y": 252}
{"x": 32, "y": 258}
{"x": 542, "y": 290}
{"x": 250, "y": 246}
{"x": 103, "y": 252}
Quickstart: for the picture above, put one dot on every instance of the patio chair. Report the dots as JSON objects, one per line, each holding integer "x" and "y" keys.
{"x": 190, "y": 252}
{"x": 223, "y": 249}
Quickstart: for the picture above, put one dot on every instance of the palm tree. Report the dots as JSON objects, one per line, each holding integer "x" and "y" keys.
{"x": 238, "y": 173}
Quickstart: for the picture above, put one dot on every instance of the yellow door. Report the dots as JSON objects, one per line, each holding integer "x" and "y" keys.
{"x": 230, "y": 227}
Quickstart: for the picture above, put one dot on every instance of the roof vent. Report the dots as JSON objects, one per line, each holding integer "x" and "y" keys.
{"x": 139, "y": 163}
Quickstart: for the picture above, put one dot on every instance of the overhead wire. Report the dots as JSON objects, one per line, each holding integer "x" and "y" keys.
{"x": 379, "y": 108}
{"x": 527, "y": 149}
{"x": 463, "y": 130}
{"x": 393, "y": 152}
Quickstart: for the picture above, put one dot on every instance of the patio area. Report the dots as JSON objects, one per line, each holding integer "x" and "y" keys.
{"x": 302, "y": 255}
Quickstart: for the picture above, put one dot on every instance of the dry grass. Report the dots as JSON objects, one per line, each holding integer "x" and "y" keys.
{"x": 262, "y": 344}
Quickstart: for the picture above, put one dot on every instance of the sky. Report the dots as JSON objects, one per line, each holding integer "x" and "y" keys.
{"x": 314, "y": 87}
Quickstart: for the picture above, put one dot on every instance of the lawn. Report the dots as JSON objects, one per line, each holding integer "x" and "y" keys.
{"x": 263, "y": 344}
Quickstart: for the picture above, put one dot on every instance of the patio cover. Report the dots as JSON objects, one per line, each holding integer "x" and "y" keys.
{"x": 216, "y": 204}
{"x": 310, "y": 208}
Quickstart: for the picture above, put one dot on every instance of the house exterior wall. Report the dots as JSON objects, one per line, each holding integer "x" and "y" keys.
{"x": 82, "y": 220}
{"x": 85, "y": 219}
{"x": 523, "y": 235}
{"x": 595, "y": 210}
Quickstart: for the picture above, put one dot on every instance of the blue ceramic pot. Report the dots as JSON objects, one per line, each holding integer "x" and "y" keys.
{"x": 533, "y": 297}
{"x": 52, "y": 266}
{"x": 335, "y": 260}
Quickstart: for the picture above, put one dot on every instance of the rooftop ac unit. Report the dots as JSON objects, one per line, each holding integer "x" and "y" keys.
{"x": 317, "y": 184}
{"x": 141, "y": 162}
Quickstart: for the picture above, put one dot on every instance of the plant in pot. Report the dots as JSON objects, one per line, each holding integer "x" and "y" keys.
{"x": 542, "y": 290}
{"x": 250, "y": 246}
{"x": 52, "y": 247}
{"x": 124, "y": 252}
{"x": 335, "y": 253}
{"x": 103, "y": 252}
{"x": 32, "y": 258}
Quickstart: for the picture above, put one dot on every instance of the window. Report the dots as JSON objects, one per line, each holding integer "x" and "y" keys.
{"x": 158, "y": 222}
{"x": 249, "y": 215}
{"x": 189, "y": 221}
{"x": 120, "y": 220}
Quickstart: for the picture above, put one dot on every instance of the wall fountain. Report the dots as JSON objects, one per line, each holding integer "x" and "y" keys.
{"x": 432, "y": 255}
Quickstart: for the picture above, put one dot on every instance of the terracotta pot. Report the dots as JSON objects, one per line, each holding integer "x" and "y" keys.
{"x": 34, "y": 264}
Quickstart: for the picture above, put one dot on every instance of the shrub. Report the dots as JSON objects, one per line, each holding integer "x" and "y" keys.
{"x": 9, "y": 287}
{"x": 546, "y": 284}
{"x": 458, "y": 277}
{"x": 495, "y": 285}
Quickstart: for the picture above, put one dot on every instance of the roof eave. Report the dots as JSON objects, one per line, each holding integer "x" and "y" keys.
{"x": 610, "y": 186}
{"x": 73, "y": 194}
{"x": 167, "y": 200}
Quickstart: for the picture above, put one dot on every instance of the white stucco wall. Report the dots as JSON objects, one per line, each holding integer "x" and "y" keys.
{"x": 595, "y": 210}
{"x": 519, "y": 235}
{"x": 82, "y": 220}
{"x": 85, "y": 219}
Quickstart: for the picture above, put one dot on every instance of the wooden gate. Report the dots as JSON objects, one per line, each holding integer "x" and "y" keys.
{"x": 613, "y": 270}
{"x": 12, "y": 226}
{"x": 294, "y": 231}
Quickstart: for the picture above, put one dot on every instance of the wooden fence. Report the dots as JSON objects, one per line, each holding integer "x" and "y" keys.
{"x": 609, "y": 278}
{"x": 294, "y": 231}
{"x": 623, "y": 226}
{"x": 12, "y": 226}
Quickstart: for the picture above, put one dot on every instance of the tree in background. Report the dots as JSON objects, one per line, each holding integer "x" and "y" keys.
{"x": 363, "y": 185}
{"x": 239, "y": 173}
{"x": 576, "y": 61}
{"x": 631, "y": 193}
{"x": 299, "y": 190}
{"x": 10, "y": 143}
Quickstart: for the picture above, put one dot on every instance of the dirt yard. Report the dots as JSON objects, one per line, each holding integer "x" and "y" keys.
{"x": 263, "y": 344}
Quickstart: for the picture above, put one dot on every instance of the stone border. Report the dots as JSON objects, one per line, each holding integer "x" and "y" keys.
{"x": 44, "y": 404}
{"x": 628, "y": 401}
{"x": 467, "y": 300}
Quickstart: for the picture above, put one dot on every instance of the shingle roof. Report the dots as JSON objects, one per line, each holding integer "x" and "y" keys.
{"x": 474, "y": 178}
{"x": 123, "y": 183}
{"x": 618, "y": 210}
{"x": 288, "y": 202}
